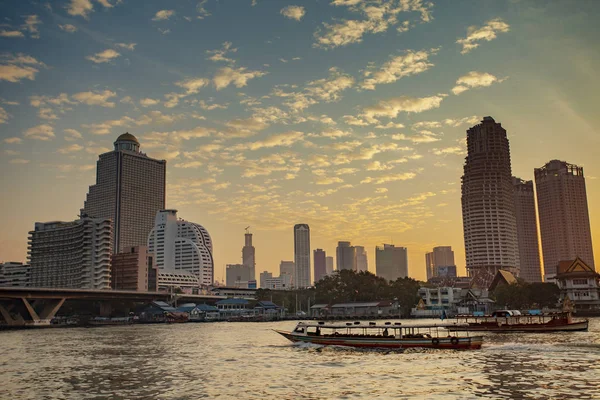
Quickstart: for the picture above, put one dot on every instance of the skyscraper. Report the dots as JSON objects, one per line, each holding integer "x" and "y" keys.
{"x": 129, "y": 190}
{"x": 362, "y": 263}
{"x": 237, "y": 275}
{"x": 440, "y": 257}
{"x": 564, "y": 219}
{"x": 488, "y": 207}
{"x": 263, "y": 279}
{"x": 391, "y": 262}
{"x": 301, "y": 256}
{"x": 527, "y": 232}
{"x": 249, "y": 254}
{"x": 287, "y": 268}
{"x": 345, "y": 256}
{"x": 320, "y": 267}
{"x": 329, "y": 265}
{"x": 71, "y": 254}
{"x": 177, "y": 245}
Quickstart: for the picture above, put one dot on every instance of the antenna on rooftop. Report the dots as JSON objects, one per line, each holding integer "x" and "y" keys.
{"x": 248, "y": 227}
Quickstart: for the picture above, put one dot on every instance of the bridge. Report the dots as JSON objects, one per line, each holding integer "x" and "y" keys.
{"x": 24, "y": 306}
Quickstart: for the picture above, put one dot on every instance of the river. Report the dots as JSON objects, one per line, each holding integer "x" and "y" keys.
{"x": 250, "y": 361}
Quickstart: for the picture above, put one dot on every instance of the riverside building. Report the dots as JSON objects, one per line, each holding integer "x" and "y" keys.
{"x": 134, "y": 270}
{"x": 129, "y": 190}
{"x": 564, "y": 218}
{"x": 71, "y": 254}
{"x": 391, "y": 262}
{"x": 15, "y": 274}
{"x": 488, "y": 207}
{"x": 527, "y": 232}
{"x": 440, "y": 262}
{"x": 345, "y": 256}
{"x": 301, "y": 256}
{"x": 181, "y": 247}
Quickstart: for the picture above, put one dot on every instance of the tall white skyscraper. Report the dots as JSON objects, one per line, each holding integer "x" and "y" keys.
{"x": 564, "y": 217}
{"x": 488, "y": 207}
{"x": 527, "y": 232}
{"x": 361, "y": 259}
{"x": 129, "y": 190}
{"x": 181, "y": 246}
{"x": 302, "y": 256}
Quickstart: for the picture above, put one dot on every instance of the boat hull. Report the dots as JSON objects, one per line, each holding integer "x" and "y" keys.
{"x": 506, "y": 328}
{"x": 464, "y": 343}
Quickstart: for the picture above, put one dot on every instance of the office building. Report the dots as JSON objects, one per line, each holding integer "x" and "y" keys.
{"x": 302, "y": 256}
{"x": 345, "y": 256}
{"x": 391, "y": 262}
{"x": 488, "y": 207}
{"x": 320, "y": 264}
{"x": 361, "y": 259}
{"x": 179, "y": 246}
{"x": 238, "y": 275}
{"x": 287, "y": 268}
{"x": 440, "y": 257}
{"x": 134, "y": 270}
{"x": 72, "y": 255}
{"x": 15, "y": 274}
{"x": 129, "y": 190}
{"x": 563, "y": 210}
{"x": 283, "y": 282}
{"x": 527, "y": 232}
{"x": 249, "y": 254}
{"x": 263, "y": 279}
{"x": 329, "y": 265}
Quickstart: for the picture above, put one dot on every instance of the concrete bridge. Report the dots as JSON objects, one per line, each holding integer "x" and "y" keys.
{"x": 24, "y": 306}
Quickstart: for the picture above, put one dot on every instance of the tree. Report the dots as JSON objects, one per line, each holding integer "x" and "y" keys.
{"x": 543, "y": 295}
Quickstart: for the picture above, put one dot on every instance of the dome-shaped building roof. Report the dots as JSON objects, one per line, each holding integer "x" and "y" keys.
{"x": 127, "y": 142}
{"x": 128, "y": 137}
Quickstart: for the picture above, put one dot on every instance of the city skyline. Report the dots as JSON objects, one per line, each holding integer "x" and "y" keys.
{"x": 361, "y": 137}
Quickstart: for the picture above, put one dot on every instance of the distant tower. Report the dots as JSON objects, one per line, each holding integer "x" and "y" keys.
{"x": 320, "y": 264}
{"x": 345, "y": 256}
{"x": 440, "y": 262}
{"x": 527, "y": 232}
{"x": 488, "y": 207}
{"x": 301, "y": 256}
{"x": 391, "y": 262}
{"x": 129, "y": 190}
{"x": 248, "y": 254}
{"x": 564, "y": 218}
{"x": 362, "y": 263}
{"x": 329, "y": 265}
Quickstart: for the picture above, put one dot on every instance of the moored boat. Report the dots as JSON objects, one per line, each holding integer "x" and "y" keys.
{"x": 388, "y": 335}
{"x": 505, "y": 321}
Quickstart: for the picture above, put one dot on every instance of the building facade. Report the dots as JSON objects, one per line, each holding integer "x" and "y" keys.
{"x": 320, "y": 264}
{"x": 287, "y": 268}
{"x": 238, "y": 275}
{"x": 440, "y": 262}
{"x": 134, "y": 270}
{"x": 249, "y": 255}
{"x": 263, "y": 278}
{"x": 345, "y": 256}
{"x": 178, "y": 246}
{"x": 15, "y": 274}
{"x": 391, "y": 262}
{"x": 129, "y": 190}
{"x": 362, "y": 263}
{"x": 580, "y": 283}
{"x": 527, "y": 232}
{"x": 563, "y": 210}
{"x": 302, "y": 256}
{"x": 71, "y": 254}
{"x": 283, "y": 282}
{"x": 329, "y": 265}
{"x": 488, "y": 207}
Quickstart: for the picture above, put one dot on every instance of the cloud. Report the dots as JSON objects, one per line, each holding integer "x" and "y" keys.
{"x": 474, "y": 79}
{"x": 47, "y": 113}
{"x": 106, "y": 3}
{"x": 334, "y": 133}
{"x": 95, "y": 98}
{"x": 163, "y": 15}
{"x": 148, "y": 102}
{"x": 421, "y": 137}
{"x": 214, "y": 106}
{"x": 390, "y": 125}
{"x": 283, "y": 139}
{"x": 4, "y": 116}
{"x": 238, "y": 77}
{"x": 390, "y": 108}
{"x": 293, "y": 12}
{"x": 189, "y": 164}
{"x": 390, "y": 178}
{"x": 449, "y": 150}
{"x": 40, "y": 132}
{"x": 68, "y": 28}
{"x": 328, "y": 180}
{"x": 70, "y": 148}
{"x": 19, "y": 161}
{"x": 378, "y": 166}
{"x": 72, "y": 134}
{"x": 13, "y": 140}
{"x": 30, "y": 25}
{"x": 11, "y": 34}
{"x": 80, "y": 8}
{"x": 487, "y": 32}
{"x": 411, "y": 63}
{"x": 193, "y": 85}
{"x": 104, "y": 57}
{"x": 219, "y": 55}
{"x": 352, "y": 120}
{"x": 128, "y": 46}
{"x": 14, "y": 68}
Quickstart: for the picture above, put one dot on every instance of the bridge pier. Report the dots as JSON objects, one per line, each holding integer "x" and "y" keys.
{"x": 105, "y": 309}
{"x": 16, "y": 320}
{"x": 14, "y": 317}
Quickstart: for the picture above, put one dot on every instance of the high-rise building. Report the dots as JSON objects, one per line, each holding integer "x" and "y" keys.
{"x": 564, "y": 218}
{"x": 134, "y": 270}
{"x": 283, "y": 282}
{"x": 320, "y": 264}
{"x": 129, "y": 190}
{"x": 178, "y": 246}
{"x": 249, "y": 254}
{"x": 488, "y": 207}
{"x": 345, "y": 256}
{"x": 71, "y": 254}
{"x": 361, "y": 259}
{"x": 440, "y": 257}
{"x": 391, "y": 262}
{"x": 263, "y": 279}
{"x": 302, "y": 256}
{"x": 238, "y": 275}
{"x": 15, "y": 274}
{"x": 527, "y": 232}
{"x": 287, "y": 268}
{"x": 329, "y": 265}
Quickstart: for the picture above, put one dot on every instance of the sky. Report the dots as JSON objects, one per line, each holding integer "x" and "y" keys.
{"x": 347, "y": 115}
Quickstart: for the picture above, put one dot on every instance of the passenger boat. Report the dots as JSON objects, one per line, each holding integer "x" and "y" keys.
{"x": 504, "y": 321}
{"x": 396, "y": 336}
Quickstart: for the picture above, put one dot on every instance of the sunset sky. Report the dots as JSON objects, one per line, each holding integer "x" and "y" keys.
{"x": 347, "y": 115}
